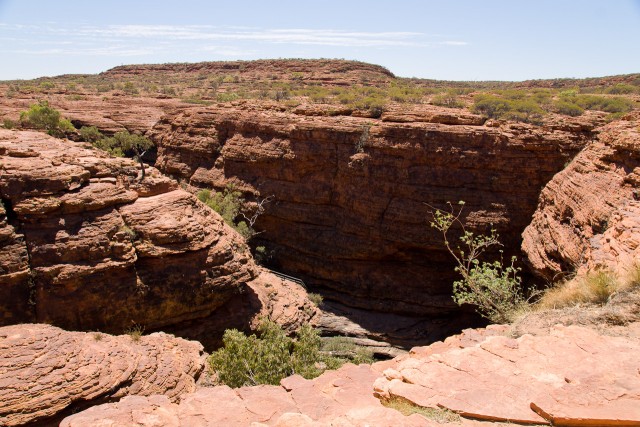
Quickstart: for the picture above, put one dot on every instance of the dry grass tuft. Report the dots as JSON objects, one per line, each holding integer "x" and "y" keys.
{"x": 593, "y": 288}
{"x": 439, "y": 415}
{"x": 596, "y": 287}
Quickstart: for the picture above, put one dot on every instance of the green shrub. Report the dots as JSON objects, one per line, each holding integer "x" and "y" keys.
{"x": 491, "y": 106}
{"x": 250, "y": 360}
{"x": 123, "y": 143}
{"x": 227, "y": 97}
{"x": 90, "y": 134}
{"x": 568, "y": 108}
{"x": 229, "y": 203}
{"x": 606, "y": 104}
{"x": 406, "y": 407}
{"x": 447, "y": 99}
{"x": 9, "y": 124}
{"x": 271, "y": 356}
{"x": 621, "y": 89}
{"x": 130, "y": 88}
{"x": 518, "y": 107}
{"x": 316, "y": 299}
{"x": 344, "y": 349}
{"x": 42, "y": 116}
{"x": 494, "y": 288}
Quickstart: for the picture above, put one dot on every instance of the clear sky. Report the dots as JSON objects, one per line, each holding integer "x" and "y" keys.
{"x": 452, "y": 40}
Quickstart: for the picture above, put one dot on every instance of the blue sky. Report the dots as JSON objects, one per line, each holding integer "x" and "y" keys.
{"x": 452, "y": 40}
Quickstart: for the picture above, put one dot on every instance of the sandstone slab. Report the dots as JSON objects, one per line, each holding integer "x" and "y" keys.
{"x": 570, "y": 375}
{"x": 46, "y": 372}
{"x": 338, "y": 398}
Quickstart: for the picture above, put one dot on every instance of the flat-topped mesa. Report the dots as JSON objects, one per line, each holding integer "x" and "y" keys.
{"x": 330, "y": 71}
{"x": 353, "y": 196}
{"x": 87, "y": 245}
{"x": 589, "y": 214}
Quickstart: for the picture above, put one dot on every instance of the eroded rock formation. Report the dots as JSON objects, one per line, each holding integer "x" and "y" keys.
{"x": 354, "y": 195}
{"x": 589, "y": 214}
{"x": 87, "y": 245}
{"x": 569, "y": 376}
{"x": 46, "y": 372}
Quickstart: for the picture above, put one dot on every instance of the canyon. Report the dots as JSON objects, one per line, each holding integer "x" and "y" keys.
{"x": 87, "y": 244}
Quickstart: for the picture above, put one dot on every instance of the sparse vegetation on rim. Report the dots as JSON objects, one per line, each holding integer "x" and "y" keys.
{"x": 493, "y": 287}
{"x": 270, "y": 356}
{"x": 375, "y": 91}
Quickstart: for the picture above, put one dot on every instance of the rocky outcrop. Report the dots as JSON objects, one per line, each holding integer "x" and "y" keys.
{"x": 310, "y": 71}
{"x": 589, "y": 214}
{"x": 267, "y": 296}
{"x": 87, "y": 245}
{"x": 110, "y": 112}
{"x": 341, "y": 397}
{"x": 572, "y": 376}
{"x": 47, "y": 373}
{"x": 353, "y": 195}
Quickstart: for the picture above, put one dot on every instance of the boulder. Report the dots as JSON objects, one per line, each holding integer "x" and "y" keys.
{"x": 47, "y": 373}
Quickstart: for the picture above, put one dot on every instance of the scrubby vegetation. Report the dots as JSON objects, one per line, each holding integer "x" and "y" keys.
{"x": 371, "y": 96}
{"x": 44, "y": 117}
{"x": 595, "y": 287}
{"x": 270, "y": 356}
{"x": 405, "y": 407}
{"x": 229, "y": 203}
{"x": 494, "y": 288}
{"x": 120, "y": 144}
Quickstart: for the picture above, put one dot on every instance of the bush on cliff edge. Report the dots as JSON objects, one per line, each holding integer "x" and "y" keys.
{"x": 271, "y": 356}
{"x": 494, "y": 288}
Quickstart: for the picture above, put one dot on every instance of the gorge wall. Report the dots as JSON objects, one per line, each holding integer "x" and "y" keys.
{"x": 87, "y": 245}
{"x": 589, "y": 214}
{"x": 353, "y": 196}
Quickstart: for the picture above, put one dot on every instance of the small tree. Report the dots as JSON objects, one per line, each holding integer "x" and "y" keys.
{"x": 494, "y": 288}
{"x": 42, "y": 116}
{"x": 123, "y": 142}
{"x": 230, "y": 204}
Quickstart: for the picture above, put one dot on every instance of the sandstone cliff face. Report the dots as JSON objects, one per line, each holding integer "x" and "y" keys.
{"x": 589, "y": 214}
{"x": 47, "y": 373}
{"x": 353, "y": 194}
{"x": 86, "y": 245}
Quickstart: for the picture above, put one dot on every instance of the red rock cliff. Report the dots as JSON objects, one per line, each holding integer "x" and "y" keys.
{"x": 86, "y": 245}
{"x": 589, "y": 214}
{"x": 352, "y": 194}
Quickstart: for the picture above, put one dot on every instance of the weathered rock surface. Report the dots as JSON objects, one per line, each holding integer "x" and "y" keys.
{"x": 86, "y": 245}
{"x": 341, "y": 397}
{"x": 589, "y": 214}
{"x": 266, "y": 296}
{"x": 14, "y": 273}
{"x": 572, "y": 376}
{"x": 47, "y": 373}
{"x": 353, "y": 195}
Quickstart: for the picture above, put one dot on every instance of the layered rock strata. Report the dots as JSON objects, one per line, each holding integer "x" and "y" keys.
{"x": 588, "y": 215}
{"x": 568, "y": 376}
{"x": 353, "y": 196}
{"x": 88, "y": 245}
{"x": 46, "y": 372}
